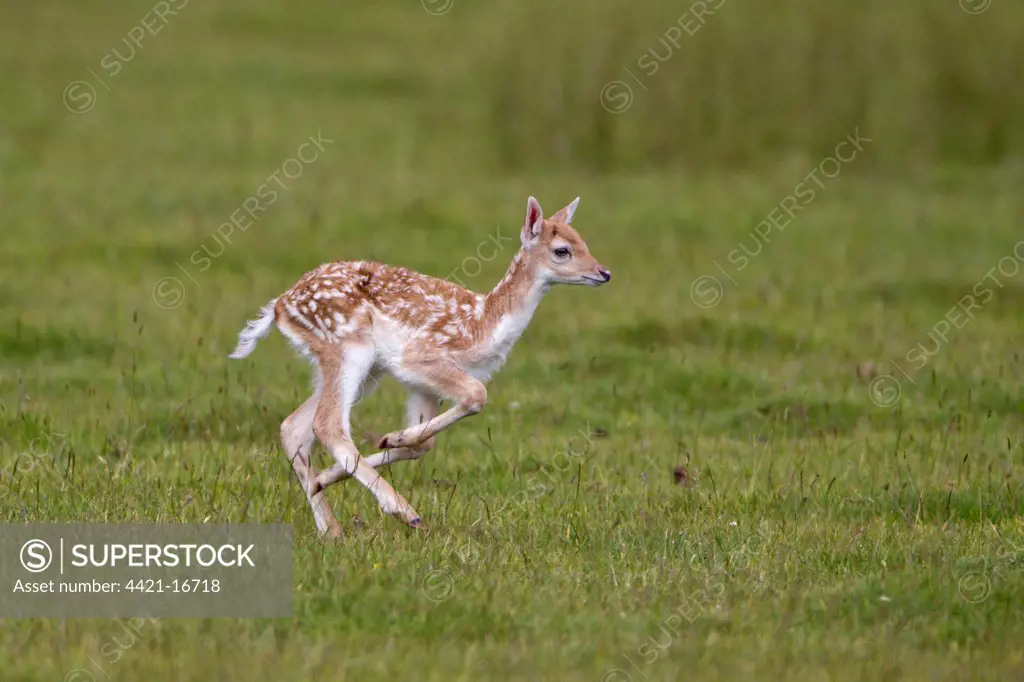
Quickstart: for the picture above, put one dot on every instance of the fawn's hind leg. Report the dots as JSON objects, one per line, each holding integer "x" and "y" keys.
{"x": 343, "y": 378}
{"x": 297, "y": 439}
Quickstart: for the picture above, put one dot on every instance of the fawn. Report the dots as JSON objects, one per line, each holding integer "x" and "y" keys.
{"x": 359, "y": 320}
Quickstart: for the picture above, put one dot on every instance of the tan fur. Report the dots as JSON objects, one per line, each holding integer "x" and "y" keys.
{"x": 359, "y": 320}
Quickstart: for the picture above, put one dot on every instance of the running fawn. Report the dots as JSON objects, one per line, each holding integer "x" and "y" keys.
{"x": 357, "y": 321}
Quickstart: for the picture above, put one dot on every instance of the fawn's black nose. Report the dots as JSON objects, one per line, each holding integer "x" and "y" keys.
{"x": 605, "y": 273}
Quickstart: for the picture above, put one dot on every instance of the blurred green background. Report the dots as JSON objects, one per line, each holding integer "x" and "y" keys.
{"x": 743, "y": 83}
{"x": 132, "y": 132}
{"x": 716, "y": 83}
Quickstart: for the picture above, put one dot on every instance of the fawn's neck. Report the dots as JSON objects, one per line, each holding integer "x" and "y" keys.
{"x": 510, "y": 306}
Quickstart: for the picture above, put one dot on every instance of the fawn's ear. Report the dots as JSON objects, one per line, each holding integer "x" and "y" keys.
{"x": 564, "y": 215}
{"x": 534, "y": 222}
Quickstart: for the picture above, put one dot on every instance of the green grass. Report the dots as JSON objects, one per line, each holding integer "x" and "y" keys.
{"x": 823, "y": 537}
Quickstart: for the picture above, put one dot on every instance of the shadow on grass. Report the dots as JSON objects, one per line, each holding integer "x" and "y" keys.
{"x": 996, "y": 292}
{"x": 996, "y": 503}
{"x": 792, "y": 417}
{"x": 708, "y": 332}
{"x": 20, "y": 343}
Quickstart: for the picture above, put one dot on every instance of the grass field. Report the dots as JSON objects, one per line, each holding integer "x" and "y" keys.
{"x": 824, "y": 339}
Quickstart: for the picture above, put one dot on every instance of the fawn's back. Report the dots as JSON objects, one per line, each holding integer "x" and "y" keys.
{"x": 398, "y": 311}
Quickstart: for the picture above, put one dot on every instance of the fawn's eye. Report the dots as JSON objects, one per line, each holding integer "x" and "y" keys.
{"x": 561, "y": 252}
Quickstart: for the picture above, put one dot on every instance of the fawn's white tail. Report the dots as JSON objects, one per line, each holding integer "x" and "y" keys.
{"x": 254, "y": 331}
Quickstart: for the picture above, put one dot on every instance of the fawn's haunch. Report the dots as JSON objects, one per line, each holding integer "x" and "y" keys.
{"x": 359, "y": 320}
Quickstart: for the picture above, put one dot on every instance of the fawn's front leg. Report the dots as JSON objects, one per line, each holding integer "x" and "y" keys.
{"x": 444, "y": 379}
{"x": 421, "y": 408}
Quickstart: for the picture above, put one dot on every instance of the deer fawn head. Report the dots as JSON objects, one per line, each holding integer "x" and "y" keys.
{"x": 556, "y": 251}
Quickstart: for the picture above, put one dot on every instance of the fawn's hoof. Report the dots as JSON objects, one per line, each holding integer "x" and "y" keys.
{"x": 391, "y": 441}
{"x": 332, "y": 532}
{"x": 404, "y": 512}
